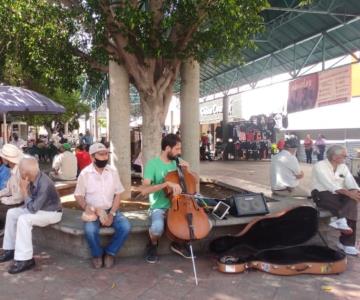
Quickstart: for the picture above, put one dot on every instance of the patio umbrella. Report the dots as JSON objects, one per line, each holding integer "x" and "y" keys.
{"x": 22, "y": 101}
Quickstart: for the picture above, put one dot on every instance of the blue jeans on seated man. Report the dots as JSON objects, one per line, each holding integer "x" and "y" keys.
{"x": 122, "y": 228}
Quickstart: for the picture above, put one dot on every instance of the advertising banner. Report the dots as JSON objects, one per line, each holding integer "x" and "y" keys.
{"x": 302, "y": 93}
{"x": 334, "y": 86}
{"x": 320, "y": 89}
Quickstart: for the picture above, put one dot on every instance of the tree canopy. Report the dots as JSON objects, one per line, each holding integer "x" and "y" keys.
{"x": 51, "y": 40}
{"x": 34, "y": 53}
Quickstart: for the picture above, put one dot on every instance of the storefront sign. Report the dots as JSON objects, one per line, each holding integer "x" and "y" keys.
{"x": 211, "y": 111}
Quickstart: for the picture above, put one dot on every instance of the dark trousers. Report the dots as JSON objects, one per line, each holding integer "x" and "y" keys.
{"x": 342, "y": 207}
{"x": 321, "y": 151}
{"x": 308, "y": 153}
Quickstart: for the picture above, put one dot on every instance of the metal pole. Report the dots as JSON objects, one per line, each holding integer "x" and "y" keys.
{"x": 193, "y": 263}
{"x": 5, "y": 128}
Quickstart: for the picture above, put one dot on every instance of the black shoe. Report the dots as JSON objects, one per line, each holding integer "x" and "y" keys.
{"x": 21, "y": 266}
{"x": 151, "y": 254}
{"x": 181, "y": 249}
{"x": 7, "y": 255}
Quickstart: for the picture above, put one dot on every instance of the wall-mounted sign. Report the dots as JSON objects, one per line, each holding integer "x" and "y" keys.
{"x": 320, "y": 89}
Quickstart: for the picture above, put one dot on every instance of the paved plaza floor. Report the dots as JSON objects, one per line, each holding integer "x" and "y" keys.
{"x": 60, "y": 276}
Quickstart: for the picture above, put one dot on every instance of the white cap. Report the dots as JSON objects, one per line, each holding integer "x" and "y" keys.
{"x": 11, "y": 153}
{"x": 97, "y": 147}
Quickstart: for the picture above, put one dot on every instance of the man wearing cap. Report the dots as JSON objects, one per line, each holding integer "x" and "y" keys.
{"x": 98, "y": 189}
{"x": 285, "y": 171}
{"x": 11, "y": 194}
{"x": 42, "y": 207}
{"x": 64, "y": 164}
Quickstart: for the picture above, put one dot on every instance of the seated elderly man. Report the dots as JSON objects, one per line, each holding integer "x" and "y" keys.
{"x": 98, "y": 193}
{"x": 42, "y": 207}
{"x": 338, "y": 192}
{"x": 64, "y": 164}
{"x": 285, "y": 171}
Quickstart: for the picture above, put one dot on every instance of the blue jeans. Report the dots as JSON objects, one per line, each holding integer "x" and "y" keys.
{"x": 122, "y": 228}
{"x": 157, "y": 217}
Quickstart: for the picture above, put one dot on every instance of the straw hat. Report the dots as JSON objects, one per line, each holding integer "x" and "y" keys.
{"x": 11, "y": 153}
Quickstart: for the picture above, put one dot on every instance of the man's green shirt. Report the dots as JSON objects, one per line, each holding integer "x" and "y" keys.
{"x": 155, "y": 171}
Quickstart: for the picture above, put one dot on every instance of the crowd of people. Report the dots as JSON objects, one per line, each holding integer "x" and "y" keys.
{"x": 31, "y": 198}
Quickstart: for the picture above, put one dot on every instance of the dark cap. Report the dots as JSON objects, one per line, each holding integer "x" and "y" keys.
{"x": 292, "y": 142}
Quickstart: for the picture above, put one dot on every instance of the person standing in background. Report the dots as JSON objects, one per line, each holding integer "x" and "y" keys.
{"x": 320, "y": 144}
{"x": 308, "y": 145}
{"x": 210, "y": 140}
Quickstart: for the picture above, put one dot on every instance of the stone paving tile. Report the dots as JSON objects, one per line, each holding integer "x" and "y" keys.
{"x": 59, "y": 276}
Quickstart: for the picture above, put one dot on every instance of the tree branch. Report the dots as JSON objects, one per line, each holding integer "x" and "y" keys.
{"x": 130, "y": 61}
{"x": 67, "y": 3}
{"x": 180, "y": 35}
{"x": 91, "y": 61}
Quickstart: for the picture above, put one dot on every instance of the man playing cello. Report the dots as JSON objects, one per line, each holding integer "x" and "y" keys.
{"x": 154, "y": 184}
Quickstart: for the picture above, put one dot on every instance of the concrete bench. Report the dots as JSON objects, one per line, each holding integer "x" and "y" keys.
{"x": 68, "y": 235}
{"x": 65, "y": 188}
{"x": 280, "y": 203}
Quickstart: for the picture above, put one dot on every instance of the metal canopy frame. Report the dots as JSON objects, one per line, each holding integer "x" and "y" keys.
{"x": 295, "y": 38}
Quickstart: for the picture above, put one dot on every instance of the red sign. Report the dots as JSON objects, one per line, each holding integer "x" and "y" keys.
{"x": 302, "y": 93}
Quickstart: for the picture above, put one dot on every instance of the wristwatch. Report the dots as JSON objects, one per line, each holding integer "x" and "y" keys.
{"x": 113, "y": 213}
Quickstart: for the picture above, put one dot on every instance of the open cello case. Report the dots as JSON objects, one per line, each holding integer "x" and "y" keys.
{"x": 273, "y": 244}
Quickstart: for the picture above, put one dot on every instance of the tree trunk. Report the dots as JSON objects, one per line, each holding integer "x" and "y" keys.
{"x": 119, "y": 119}
{"x": 151, "y": 130}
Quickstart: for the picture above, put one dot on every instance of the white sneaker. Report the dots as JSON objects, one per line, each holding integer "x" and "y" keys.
{"x": 350, "y": 250}
{"x": 341, "y": 224}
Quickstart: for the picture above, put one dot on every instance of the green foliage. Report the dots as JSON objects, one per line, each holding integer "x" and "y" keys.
{"x": 35, "y": 52}
{"x": 35, "y": 42}
{"x": 188, "y": 28}
{"x": 102, "y": 122}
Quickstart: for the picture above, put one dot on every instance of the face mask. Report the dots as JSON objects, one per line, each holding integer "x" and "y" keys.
{"x": 101, "y": 163}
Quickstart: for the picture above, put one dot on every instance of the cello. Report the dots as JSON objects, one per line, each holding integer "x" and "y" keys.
{"x": 186, "y": 221}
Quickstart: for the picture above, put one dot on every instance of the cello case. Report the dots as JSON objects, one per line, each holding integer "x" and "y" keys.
{"x": 273, "y": 244}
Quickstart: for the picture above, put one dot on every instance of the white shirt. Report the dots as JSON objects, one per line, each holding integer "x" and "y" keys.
{"x": 324, "y": 178}
{"x": 278, "y": 121}
{"x": 19, "y": 143}
{"x": 99, "y": 189}
{"x": 66, "y": 165}
{"x": 284, "y": 166}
